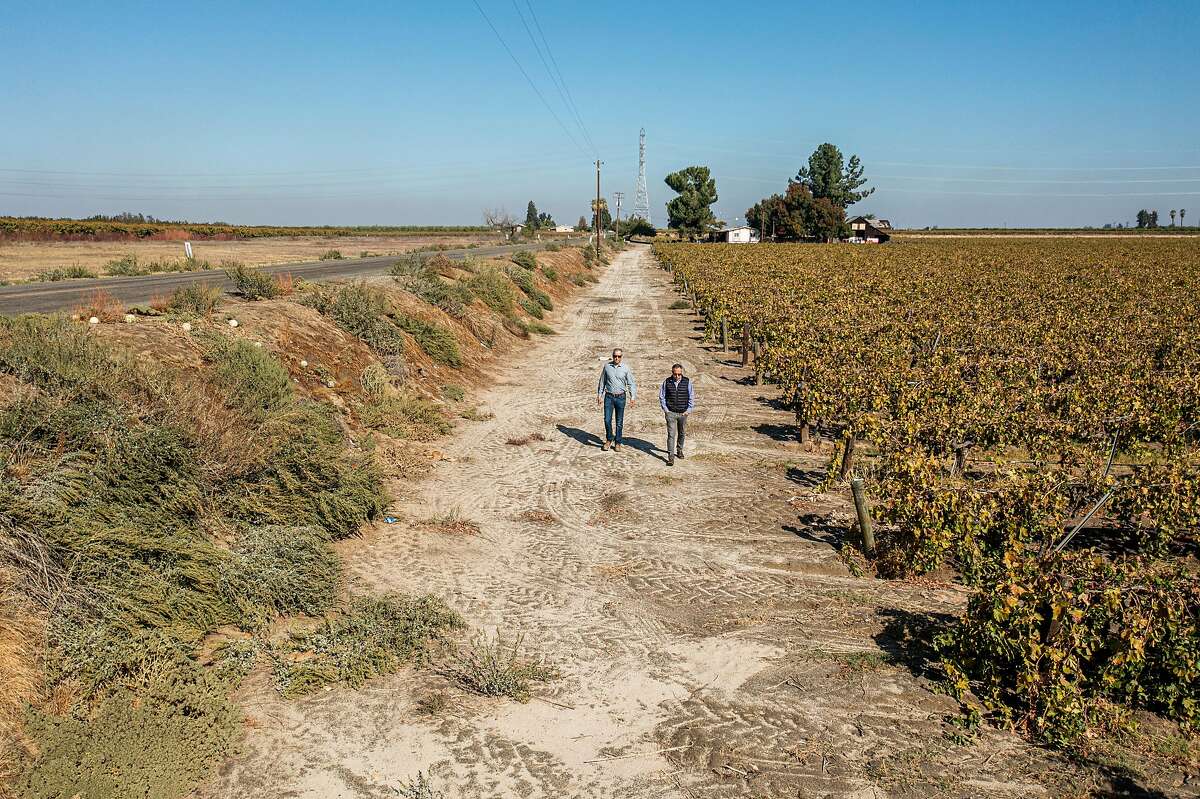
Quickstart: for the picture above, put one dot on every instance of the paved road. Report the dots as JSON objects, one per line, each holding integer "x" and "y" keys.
{"x": 67, "y": 294}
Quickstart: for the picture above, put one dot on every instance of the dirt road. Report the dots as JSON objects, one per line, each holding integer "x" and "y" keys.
{"x": 712, "y": 642}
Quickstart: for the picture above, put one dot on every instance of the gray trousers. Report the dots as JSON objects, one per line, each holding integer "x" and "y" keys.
{"x": 675, "y": 425}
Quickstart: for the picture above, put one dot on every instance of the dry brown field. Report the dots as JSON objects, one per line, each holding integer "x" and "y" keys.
{"x": 24, "y": 260}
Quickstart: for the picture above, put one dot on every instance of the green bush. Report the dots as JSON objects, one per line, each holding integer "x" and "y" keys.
{"x": 330, "y": 255}
{"x": 539, "y": 328}
{"x": 73, "y": 272}
{"x": 551, "y": 273}
{"x": 252, "y": 283}
{"x": 523, "y": 279}
{"x": 374, "y": 636}
{"x": 278, "y": 571}
{"x": 491, "y": 286}
{"x": 532, "y": 308}
{"x": 196, "y": 299}
{"x": 360, "y": 310}
{"x": 525, "y": 259}
{"x": 436, "y": 341}
{"x": 454, "y": 393}
{"x": 253, "y": 380}
{"x": 553, "y": 247}
{"x": 405, "y": 416}
{"x": 417, "y": 277}
{"x": 125, "y": 266}
{"x": 157, "y": 743}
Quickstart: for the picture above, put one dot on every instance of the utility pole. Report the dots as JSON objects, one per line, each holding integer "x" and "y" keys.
{"x": 617, "y": 222}
{"x": 596, "y": 226}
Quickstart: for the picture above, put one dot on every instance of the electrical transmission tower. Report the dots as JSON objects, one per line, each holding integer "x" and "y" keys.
{"x": 641, "y": 200}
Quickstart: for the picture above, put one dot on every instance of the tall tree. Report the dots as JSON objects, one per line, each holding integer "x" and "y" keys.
{"x": 582, "y": 224}
{"x": 828, "y": 177}
{"x": 1182, "y": 211}
{"x": 531, "y": 216}
{"x": 544, "y": 220}
{"x": 691, "y": 212}
{"x": 1172, "y": 217}
{"x": 605, "y": 217}
{"x": 1143, "y": 218}
{"x": 1153, "y": 219}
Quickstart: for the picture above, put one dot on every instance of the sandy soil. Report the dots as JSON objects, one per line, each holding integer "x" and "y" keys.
{"x": 712, "y": 643}
{"x": 21, "y": 260}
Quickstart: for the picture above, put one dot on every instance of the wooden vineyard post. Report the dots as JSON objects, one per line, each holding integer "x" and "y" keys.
{"x": 848, "y": 457}
{"x": 758, "y": 370}
{"x": 724, "y": 335}
{"x": 803, "y": 433}
{"x": 864, "y": 515}
{"x": 746, "y": 344}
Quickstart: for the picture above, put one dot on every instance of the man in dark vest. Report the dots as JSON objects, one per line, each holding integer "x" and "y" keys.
{"x": 677, "y": 399}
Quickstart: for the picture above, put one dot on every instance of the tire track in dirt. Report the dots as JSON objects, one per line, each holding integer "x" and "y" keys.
{"x": 711, "y": 641}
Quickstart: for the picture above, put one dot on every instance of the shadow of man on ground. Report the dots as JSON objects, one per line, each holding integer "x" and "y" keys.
{"x": 592, "y": 440}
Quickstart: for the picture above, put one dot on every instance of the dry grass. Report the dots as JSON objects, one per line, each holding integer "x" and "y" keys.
{"x": 20, "y": 260}
{"x": 453, "y": 523}
{"x": 527, "y": 439}
{"x": 20, "y": 674}
{"x": 493, "y": 667}
{"x": 538, "y": 517}
{"x": 103, "y": 306}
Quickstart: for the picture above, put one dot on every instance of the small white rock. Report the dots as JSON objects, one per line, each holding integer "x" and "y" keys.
{"x": 187, "y": 327}
{"x": 130, "y": 318}
{"x": 258, "y": 344}
{"x": 93, "y": 321}
{"x": 304, "y": 364}
{"x": 330, "y": 383}
{"x": 233, "y": 323}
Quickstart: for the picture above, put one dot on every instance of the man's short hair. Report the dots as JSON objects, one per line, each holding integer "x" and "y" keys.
{"x": 675, "y": 366}
{"x": 618, "y": 349}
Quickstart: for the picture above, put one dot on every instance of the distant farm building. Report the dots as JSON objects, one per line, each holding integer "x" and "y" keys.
{"x": 743, "y": 234}
{"x": 869, "y": 230}
{"x": 563, "y": 229}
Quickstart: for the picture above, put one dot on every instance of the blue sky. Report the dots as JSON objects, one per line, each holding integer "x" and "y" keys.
{"x": 406, "y": 113}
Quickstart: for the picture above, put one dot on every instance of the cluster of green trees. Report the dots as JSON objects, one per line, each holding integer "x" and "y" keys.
{"x": 535, "y": 221}
{"x": 814, "y": 204}
{"x": 1149, "y": 219}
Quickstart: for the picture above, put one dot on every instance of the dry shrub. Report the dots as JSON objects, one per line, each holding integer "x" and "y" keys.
{"x": 527, "y": 439}
{"x": 103, "y": 306}
{"x": 492, "y": 667}
{"x": 20, "y": 673}
{"x": 159, "y": 302}
{"x": 453, "y": 522}
{"x": 539, "y": 517}
{"x": 285, "y": 283}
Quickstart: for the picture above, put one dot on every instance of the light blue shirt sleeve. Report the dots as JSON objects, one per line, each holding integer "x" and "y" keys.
{"x": 691, "y": 395}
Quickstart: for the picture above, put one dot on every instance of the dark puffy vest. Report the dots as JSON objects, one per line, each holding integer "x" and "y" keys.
{"x": 677, "y": 396}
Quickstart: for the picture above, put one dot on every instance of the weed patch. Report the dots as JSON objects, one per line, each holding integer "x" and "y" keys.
{"x": 453, "y": 393}
{"x": 194, "y": 300}
{"x": 374, "y": 636}
{"x": 518, "y": 441}
{"x": 252, "y": 283}
{"x": 405, "y": 416}
{"x": 491, "y": 667}
{"x": 680, "y": 305}
{"x": 73, "y": 272}
{"x": 330, "y": 255}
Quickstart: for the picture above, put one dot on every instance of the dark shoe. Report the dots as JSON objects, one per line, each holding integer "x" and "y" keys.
{"x": 670, "y": 461}
{"x": 679, "y": 455}
{"x": 607, "y": 444}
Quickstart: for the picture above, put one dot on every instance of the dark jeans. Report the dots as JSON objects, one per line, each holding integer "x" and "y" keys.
{"x": 613, "y": 404}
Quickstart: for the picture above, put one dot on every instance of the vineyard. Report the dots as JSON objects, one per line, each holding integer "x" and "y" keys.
{"x": 37, "y": 229}
{"x": 1025, "y": 416}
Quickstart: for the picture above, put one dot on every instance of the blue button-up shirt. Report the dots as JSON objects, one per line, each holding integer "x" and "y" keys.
{"x": 662, "y": 394}
{"x": 616, "y": 379}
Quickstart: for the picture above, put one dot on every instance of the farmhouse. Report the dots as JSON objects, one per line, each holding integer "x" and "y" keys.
{"x": 869, "y": 229}
{"x": 743, "y": 234}
{"x": 563, "y": 229}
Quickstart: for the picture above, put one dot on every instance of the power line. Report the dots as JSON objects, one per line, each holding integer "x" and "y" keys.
{"x": 528, "y": 80}
{"x": 561, "y": 80}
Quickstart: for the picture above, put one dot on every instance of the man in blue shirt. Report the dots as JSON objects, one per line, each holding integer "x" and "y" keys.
{"x": 617, "y": 387}
{"x": 677, "y": 398}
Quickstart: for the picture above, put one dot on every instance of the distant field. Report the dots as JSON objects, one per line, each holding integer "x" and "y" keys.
{"x": 1082, "y": 232}
{"x": 22, "y": 260}
{"x": 32, "y": 229}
